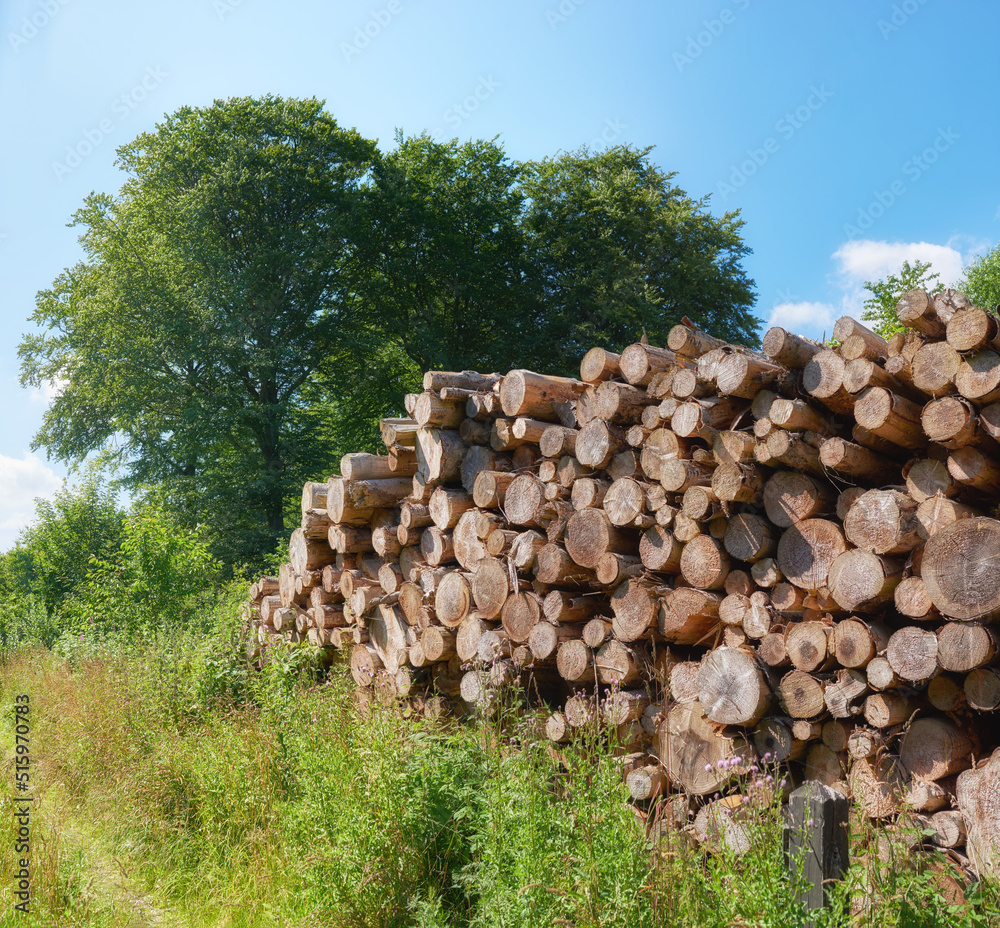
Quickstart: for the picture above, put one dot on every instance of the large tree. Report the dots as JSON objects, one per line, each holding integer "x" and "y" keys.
{"x": 488, "y": 263}
{"x": 619, "y": 248}
{"x": 450, "y": 266}
{"x": 218, "y": 286}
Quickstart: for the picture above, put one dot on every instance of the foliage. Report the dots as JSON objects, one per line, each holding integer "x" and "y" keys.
{"x": 452, "y": 279}
{"x": 981, "y": 280}
{"x": 297, "y": 808}
{"x": 157, "y": 579}
{"x": 51, "y": 563}
{"x": 266, "y": 284}
{"x": 216, "y": 285}
{"x": 880, "y": 307}
{"x": 619, "y": 248}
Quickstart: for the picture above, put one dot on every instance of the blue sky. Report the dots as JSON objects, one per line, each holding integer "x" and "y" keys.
{"x": 849, "y": 136}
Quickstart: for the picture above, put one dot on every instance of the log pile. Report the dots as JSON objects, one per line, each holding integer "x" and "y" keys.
{"x": 724, "y": 556}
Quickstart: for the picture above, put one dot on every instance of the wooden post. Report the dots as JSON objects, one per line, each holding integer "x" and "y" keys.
{"x": 816, "y": 839}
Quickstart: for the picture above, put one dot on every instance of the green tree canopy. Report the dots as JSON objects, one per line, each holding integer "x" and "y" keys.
{"x": 217, "y": 284}
{"x": 981, "y": 280}
{"x": 619, "y": 248}
{"x": 880, "y": 307}
{"x": 452, "y": 277}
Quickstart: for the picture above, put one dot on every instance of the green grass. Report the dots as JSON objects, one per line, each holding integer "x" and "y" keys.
{"x": 171, "y": 786}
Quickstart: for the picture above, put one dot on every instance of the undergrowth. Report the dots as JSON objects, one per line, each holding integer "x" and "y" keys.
{"x": 166, "y": 776}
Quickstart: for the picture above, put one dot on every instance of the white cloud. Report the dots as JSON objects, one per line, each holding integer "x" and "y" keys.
{"x": 21, "y": 481}
{"x": 804, "y": 318}
{"x": 870, "y": 260}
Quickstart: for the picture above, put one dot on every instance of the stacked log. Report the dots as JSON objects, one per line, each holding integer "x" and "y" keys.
{"x": 725, "y": 557}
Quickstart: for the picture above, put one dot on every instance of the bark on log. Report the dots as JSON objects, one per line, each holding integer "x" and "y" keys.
{"x": 969, "y": 466}
{"x": 784, "y": 448}
{"x": 677, "y": 476}
{"x": 308, "y": 554}
{"x": 891, "y": 417}
{"x": 823, "y": 379}
{"x": 688, "y": 617}
{"x": 978, "y": 793}
{"x": 557, "y": 440}
{"x": 639, "y": 362}
{"x": 787, "y": 349}
{"x": 878, "y": 785}
{"x": 525, "y": 393}
{"x": 553, "y": 566}
{"x": 690, "y": 420}
{"x": 599, "y": 365}
{"x": 439, "y": 455}
{"x": 915, "y": 310}
{"x": 888, "y": 708}
{"x": 744, "y": 375}
{"x": 430, "y": 410}
{"x": 933, "y": 748}
{"x": 856, "y": 461}
{"x": 490, "y": 489}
